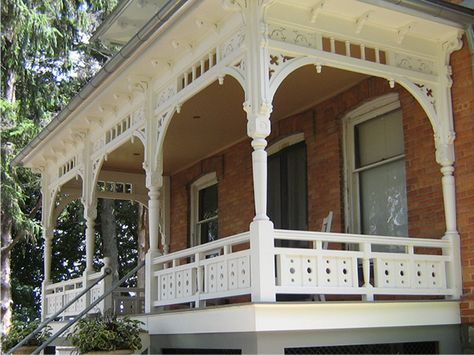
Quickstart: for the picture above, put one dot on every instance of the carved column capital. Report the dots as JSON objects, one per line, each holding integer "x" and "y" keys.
{"x": 445, "y": 149}
{"x": 258, "y": 126}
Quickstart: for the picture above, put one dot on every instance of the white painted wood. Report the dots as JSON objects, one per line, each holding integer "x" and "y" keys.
{"x": 201, "y": 183}
{"x": 304, "y": 316}
{"x": 213, "y": 270}
{"x": 338, "y": 271}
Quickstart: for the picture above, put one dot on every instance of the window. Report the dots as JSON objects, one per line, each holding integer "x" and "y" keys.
{"x": 287, "y": 197}
{"x": 204, "y": 210}
{"x": 375, "y": 161}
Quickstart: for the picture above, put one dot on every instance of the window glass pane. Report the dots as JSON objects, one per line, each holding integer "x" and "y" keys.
{"x": 383, "y": 205}
{"x": 296, "y": 188}
{"x": 208, "y": 202}
{"x": 274, "y": 190}
{"x": 379, "y": 138}
{"x": 208, "y": 231}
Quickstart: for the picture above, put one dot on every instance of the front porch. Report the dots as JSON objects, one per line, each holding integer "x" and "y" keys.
{"x": 329, "y": 267}
{"x": 358, "y": 124}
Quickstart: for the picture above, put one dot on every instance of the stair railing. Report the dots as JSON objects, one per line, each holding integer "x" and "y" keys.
{"x": 107, "y": 271}
{"x": 88, "y": 308}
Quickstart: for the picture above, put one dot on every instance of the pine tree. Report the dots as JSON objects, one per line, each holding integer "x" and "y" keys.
{"x": 39, "y": 75}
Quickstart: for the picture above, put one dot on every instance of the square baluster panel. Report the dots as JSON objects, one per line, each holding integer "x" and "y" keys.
{"x": 170, "y": 285}
{"x": 243, "y": 271}
{"x": 391, "y": 273}
{"x": 211, "y": 272}
{"x": 430, "y": 274}
{"x": 185, "y": 285}
{"x": 166, "y": 286}
{"x": 163, "y": 286}
{"x": 309, "y": 271}
{"x": 337, "y": 272}
{"x": 289, "y": 270}
{"x": 233, "y": 273}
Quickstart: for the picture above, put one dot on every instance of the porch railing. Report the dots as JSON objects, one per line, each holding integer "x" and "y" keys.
{"x": 61, "y": 293}
{"x": 361, "y": 265}
{"x": 124, "y": 300}
{"x": 307, "y": 263}
{"x": 129, "y": 300}
{"x": 217, "y": 269}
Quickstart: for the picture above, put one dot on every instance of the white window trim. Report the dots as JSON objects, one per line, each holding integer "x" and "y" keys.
{"x": 367, "y": 111}
{"x": 201, "y": 183}
{"x": 285, "y": 143}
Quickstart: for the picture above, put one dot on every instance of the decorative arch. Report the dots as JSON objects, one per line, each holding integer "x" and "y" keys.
{"x": 424, "y": 93}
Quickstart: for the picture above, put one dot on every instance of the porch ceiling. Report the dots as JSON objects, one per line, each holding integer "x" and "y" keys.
{"x": 214, "y": 118}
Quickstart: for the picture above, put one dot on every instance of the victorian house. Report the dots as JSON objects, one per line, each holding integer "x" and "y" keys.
{"x": 307, "y": 166}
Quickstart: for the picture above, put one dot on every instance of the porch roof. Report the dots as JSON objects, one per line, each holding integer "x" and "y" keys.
{"x": 432, "y": 11}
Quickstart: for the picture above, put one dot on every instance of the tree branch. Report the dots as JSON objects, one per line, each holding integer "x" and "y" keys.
{"x": 19, "y": 237}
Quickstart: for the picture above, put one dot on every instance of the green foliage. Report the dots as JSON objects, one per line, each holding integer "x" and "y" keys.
{"x": 44, "y": 63}
{"x": 106, "y": 333}
{"x": 20, "y": 330}
{"x": 26, "y": 261}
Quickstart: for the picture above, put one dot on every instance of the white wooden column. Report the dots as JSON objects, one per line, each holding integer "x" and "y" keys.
{"x": 258, "y": 107}
{"x": 154, "y": 215}
{"x": 445, "y": 158}
{"x": 48, "y": 234}
{"x": 90, "y": 214}
{"x": 89, "y": 201}
{"x": 47, "y": 203}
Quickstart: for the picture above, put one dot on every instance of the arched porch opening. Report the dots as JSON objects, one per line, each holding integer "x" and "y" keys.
{"x": 208, "y": 137}
{"x": 326, "y": 107}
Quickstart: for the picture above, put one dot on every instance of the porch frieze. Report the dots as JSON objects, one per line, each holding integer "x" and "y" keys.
{"x": 213, "y": 60}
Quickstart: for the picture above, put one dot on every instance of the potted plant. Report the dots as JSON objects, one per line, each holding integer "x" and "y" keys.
{"x": 107, "y": 333}
{"x": 19, "y": 331}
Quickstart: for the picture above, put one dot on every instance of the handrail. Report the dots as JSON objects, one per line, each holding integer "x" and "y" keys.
{"x": 107, "y": 271}
{"x": 88, "y": 308}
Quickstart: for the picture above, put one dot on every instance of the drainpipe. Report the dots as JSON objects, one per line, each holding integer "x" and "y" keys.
{"x": 470, "y": 43}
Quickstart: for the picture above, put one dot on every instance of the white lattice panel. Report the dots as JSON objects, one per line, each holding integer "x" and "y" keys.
{"x": 227, "y": 274}
{"x": 297, "y": 270}
{"x": 392, "y": 273}
{"x": 166, "y": 287}
{"x": 238, "y": 270}
{"x": 338, "y": 272}
{"x": 430, "y": 274}
{"x": 216, "y": 277}
{"x": 55, "y": 302}
{"x": 185, "y": 283}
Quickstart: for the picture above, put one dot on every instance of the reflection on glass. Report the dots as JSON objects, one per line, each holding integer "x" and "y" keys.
{"x": 207, "y": 215}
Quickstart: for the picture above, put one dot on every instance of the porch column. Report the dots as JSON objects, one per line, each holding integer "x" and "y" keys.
{"x": 445, "y": 158}
{"x": 154, "y": 215}
{"x": 47, "y": 253}
{"x": 258, "y": 108}
{"x": 258, "y": 129}
{"x": 154, "y": 181}
{"x": 90, "y": 214}
{"x": 261, "y": 228}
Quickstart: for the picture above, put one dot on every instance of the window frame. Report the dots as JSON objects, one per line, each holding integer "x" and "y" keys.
{"x": 370, "y": 110}
{"x": 203, "y": 182}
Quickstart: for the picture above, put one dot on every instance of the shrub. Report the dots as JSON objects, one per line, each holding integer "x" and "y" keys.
{"x": 106, "y": 333}
{"x": 20, "y": 331}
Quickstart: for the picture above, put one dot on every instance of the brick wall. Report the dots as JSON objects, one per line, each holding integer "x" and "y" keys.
{"x": 463, "y": 108}
{"x": 322, "y": 128}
